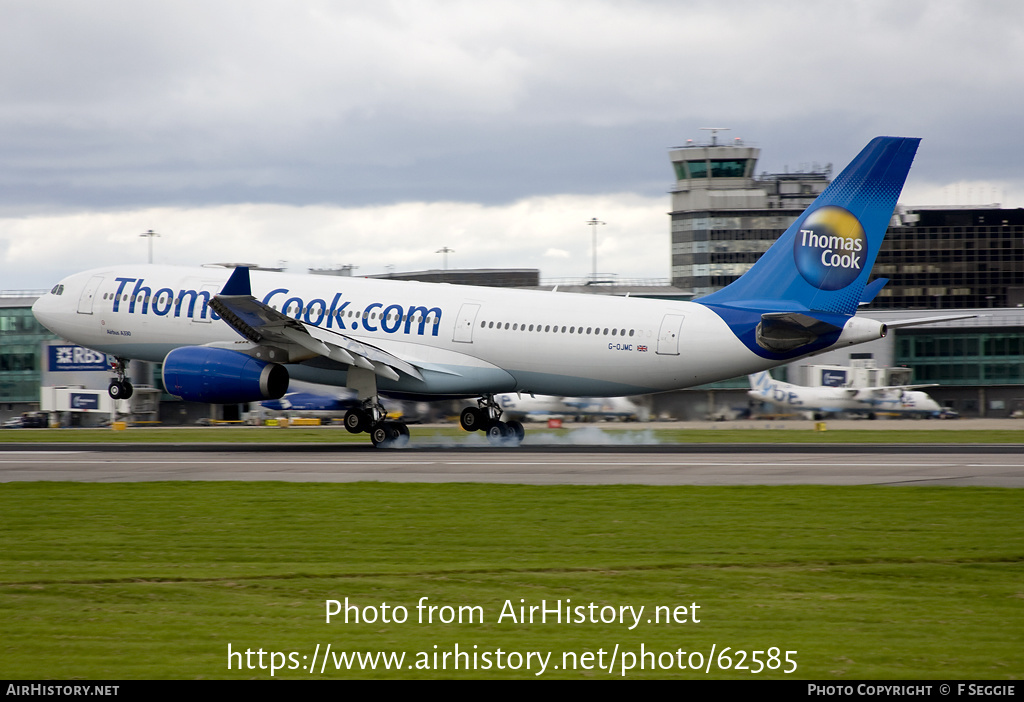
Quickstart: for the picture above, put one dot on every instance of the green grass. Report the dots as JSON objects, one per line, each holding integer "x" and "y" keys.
{"x": 330, "y": 435}
{"x": 154, "y": 580}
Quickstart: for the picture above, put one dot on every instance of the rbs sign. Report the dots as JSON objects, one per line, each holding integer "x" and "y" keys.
{"x": 77, "y": 358}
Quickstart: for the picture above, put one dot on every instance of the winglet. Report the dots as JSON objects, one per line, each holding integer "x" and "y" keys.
{"x": 238, "y": 283}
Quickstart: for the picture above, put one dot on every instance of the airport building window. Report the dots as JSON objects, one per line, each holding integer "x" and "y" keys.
{"x": 21, "y": 338}
{"x": 718, "y": 168}
{"x": 963, "y": 358}
{"x": 728, "y": 168}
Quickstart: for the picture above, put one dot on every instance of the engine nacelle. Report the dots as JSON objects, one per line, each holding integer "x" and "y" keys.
{"x": 859, "y": 330}
{"x": 221, "y": 376}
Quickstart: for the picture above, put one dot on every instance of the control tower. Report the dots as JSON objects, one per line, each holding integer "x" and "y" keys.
{"x": 723, "y": 216}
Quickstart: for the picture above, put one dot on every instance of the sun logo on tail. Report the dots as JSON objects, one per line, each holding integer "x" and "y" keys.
{"x": 830, "y": 248}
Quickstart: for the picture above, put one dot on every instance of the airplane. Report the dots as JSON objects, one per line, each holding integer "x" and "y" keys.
{"x": 543, "y": 407}
{"x": 231, "y": 335}
{"x": 895, "y": 399}
{"x": 311, "y": 402}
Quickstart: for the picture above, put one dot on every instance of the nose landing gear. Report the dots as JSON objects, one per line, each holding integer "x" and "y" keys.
{"x": 120, "y": 388}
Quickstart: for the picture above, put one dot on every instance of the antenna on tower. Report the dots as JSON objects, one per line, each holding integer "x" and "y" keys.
{"x": 714, "y": 133}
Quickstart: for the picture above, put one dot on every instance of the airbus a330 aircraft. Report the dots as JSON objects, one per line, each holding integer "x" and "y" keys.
{"x": 235, "y": 336}
{"x": 896, "y": 399}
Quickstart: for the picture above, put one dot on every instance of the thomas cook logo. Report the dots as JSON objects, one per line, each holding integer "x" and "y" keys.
{"x": 829, "y": 248}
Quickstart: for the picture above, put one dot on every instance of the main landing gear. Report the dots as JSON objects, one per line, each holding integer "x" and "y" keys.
{"x": 371, "y": 418}
{"x": 486, "y": 417}
{"x": 120, "y": 388}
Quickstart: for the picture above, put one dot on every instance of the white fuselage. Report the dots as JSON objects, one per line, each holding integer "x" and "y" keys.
{"x": 468, "y": 340}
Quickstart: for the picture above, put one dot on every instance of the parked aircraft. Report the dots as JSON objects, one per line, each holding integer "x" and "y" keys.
{"x": 542, "y": 407}
{"x": 897, "y": 399}
{"x": 312, "y": 402}
{"x": 235, "y": 336}
{"x": 326, "y": 402}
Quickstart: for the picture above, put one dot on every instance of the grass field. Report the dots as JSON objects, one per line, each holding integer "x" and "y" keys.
{"x": 155, "y": 580}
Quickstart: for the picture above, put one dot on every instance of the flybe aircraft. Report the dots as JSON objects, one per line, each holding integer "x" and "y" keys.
{"x": 236, "y": 336}
{"x": 895, "y": 399}
{"x": 540, "y": 408}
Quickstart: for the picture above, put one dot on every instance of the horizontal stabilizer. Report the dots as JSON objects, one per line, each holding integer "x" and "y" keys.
{"x": 918, "y": 321}
{"x": 872, "y": 290}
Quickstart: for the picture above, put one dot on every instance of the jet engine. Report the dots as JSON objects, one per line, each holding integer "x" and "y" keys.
{"x": 221, "y": 376}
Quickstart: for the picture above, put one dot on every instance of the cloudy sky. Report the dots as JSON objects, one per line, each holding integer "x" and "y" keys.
{"x": 375, "y": 133}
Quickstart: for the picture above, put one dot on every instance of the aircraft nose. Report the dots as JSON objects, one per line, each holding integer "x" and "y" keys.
{"x": 41, "y": 309}
{"x": 46, "y": 309}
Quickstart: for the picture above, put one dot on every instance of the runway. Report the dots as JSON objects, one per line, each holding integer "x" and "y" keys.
{"x": 736, "y": 464}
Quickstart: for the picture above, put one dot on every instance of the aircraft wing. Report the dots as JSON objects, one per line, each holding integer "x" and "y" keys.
{"x": 262, "y": 324}
{"x": 881, "y": 391}
{"x": 884, "y": 389}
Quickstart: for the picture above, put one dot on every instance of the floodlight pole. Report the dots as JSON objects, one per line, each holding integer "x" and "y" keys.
{"x": 593, "y": 248}
{"x": 149, "y": 235}
{"x": 445, "y": 250}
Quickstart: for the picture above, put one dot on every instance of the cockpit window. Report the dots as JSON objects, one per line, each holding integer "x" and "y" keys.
{"x": 57, "y": 289}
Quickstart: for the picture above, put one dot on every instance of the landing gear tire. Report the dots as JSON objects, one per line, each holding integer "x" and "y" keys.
{"x": 389, "y": 434}
{"x": 486, "y": 417}
{"x": 120, "y": 389}
{"x": 472, "y": 419}
{"x": 518, "y": 430}
{"x": 378, "y": 435}
{"x": 499, "y": 433}
{"x": 356, "y": 421}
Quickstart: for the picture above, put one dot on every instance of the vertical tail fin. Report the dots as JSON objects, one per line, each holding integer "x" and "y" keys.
{"x": 823, "y": 261}
{"x": 759, "y": 381}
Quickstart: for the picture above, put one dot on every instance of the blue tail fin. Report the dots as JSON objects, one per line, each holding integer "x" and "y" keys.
{"x": 821, "y": 264}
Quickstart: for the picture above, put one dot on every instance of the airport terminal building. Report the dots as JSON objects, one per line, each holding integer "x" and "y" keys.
{"x": 21, "y": 351}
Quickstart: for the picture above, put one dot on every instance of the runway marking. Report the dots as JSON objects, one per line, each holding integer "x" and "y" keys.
{"x": 709, "y": 463}
{"x": 803, "y": 463}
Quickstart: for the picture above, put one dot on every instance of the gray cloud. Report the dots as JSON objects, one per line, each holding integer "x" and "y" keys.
{"x": 124, "y": 104}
